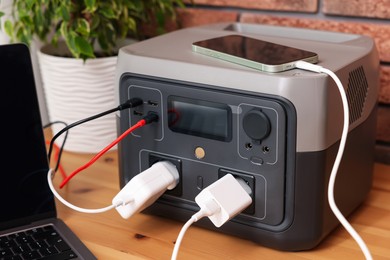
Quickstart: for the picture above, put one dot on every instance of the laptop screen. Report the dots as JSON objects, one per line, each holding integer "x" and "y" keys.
{"x": 24, "y": 193}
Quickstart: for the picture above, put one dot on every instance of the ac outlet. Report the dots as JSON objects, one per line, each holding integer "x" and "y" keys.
{"x": 178, "y": 190}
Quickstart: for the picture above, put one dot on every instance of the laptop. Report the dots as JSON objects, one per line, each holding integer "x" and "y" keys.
{"x": 29, "y": 226}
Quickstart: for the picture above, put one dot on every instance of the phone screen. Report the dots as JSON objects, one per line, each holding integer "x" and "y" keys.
{"x": 246, "y": 48}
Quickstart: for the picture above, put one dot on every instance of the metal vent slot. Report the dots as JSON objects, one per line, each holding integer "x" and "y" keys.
{"x": 356, "y": 93}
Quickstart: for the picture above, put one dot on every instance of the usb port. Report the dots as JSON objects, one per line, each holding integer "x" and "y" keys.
{"x": 152, "y": 103}
{"x": 138, "y": 113}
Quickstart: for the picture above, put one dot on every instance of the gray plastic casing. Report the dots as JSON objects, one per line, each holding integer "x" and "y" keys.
{"x": 290, "y": 210}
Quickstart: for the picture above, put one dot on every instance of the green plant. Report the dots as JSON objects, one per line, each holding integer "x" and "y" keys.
{"x": 83, "y": 24}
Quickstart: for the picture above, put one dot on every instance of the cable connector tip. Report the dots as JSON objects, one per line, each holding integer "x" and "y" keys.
{"x": 150, "y": 117}
{"x": 131, "y": 103}
{"x": 308, "y": 66}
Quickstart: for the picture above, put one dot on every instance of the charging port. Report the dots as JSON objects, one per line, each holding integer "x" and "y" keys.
{"x": 249, "y": 180}
{"x": 178, "y": 190}
{"x": 138, "y": 113}
{"x": 152, "y": 103}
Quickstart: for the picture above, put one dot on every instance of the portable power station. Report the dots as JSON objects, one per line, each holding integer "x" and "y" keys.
{"x": 280, "y": 132}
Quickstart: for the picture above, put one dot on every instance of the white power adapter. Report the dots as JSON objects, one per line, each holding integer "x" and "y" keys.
{"x": 220, "y": 202}
{"x": 228, "y": 195}
{"x": 145, "y": 188}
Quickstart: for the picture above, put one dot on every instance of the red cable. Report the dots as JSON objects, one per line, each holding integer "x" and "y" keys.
{"x": 139, "y": 124}
{"x": 60, "y": 168}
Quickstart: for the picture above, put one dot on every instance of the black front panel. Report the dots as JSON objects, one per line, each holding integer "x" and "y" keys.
{"x": 209, "y": 132}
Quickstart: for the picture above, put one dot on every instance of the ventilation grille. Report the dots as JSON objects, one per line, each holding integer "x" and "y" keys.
{"x": 356, "y": 93}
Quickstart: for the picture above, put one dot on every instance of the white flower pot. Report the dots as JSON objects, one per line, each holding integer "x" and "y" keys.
{"x": 6, "y": 8}
{"x": 75, "y": 90}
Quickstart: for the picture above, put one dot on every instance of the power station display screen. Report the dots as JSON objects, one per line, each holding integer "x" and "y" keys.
{"x": 200, "y": 118}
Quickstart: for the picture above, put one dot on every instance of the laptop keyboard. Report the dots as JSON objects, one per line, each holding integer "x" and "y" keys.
{"x": 37, "y": 243}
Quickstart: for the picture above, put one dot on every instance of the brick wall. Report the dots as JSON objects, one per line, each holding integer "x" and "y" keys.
{"x": 368, "y": 17}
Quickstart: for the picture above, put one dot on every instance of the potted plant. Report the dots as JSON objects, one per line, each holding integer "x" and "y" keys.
{"x": 78, "y": 56}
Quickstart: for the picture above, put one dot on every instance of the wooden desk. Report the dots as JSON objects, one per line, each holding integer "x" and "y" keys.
{"x": 150, "y": 237}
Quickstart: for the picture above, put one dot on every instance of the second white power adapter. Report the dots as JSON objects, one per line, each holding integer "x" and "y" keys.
{"x": 227, "y": 194}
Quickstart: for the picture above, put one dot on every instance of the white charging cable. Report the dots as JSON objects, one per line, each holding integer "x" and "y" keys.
{"x": 138, "y": 193}
{"x": 70, "y": 205}
{"x": 315, "y": 68}
{"x": 220, "y": 202}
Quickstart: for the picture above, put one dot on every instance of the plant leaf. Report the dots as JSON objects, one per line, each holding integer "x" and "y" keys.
{"x": 70, "y": 42}
{"x": 95, "y": 23}
{"x": 83, "y": 27}
{"x": 65, "y": 13}
{"x": 8, "y": 28}
{"x": 84, "y": 47}
{"x": 64, "y": 29}
{"x": 90, "y": 5}
{"x": 107, "y": 12}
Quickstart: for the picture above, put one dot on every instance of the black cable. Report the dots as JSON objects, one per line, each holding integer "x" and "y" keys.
{"x": 133, "y": 102}
{"x": 62, "y": 145}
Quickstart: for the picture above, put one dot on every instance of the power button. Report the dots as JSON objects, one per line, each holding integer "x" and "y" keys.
{"x": 256, "y": 125}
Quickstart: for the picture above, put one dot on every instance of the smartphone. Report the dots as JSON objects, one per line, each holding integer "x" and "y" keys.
{"x": 254, "y": 53}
